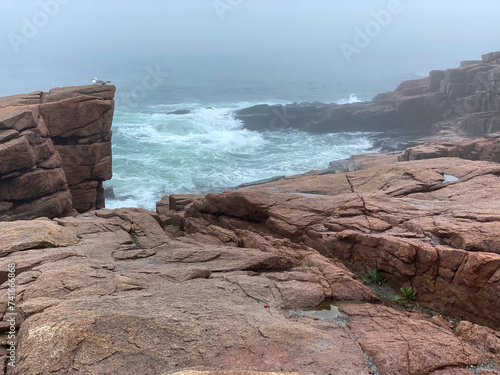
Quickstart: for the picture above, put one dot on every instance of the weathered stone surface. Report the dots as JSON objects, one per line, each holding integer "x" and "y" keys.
{"x": 50, "y": 206}
{"x": 34, "y": 184}
{"x": 128, "y": 297}
{"x": 491, "y": 57}
{"x": 400, "y": 343}
{"x": 106, "y": 92}
{"x": 77, "y": 117}
{"x": 487, "y": 149}
{"x": 40, "y": 133}
{"x": 407, "y": 219}
{"x": 16, "y": 154}
{"x": 183, "y": 305}
{"x": 84, "y": 196}
{"x": 23, "y": 235}
{"x": 485, "y": 338}
{"x": 79, "y": 162}
{"x": 17, "y": 118}
{"x": 178, "y": 202}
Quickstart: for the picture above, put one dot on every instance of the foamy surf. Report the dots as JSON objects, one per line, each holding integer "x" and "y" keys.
{"x": 206, "y": 149}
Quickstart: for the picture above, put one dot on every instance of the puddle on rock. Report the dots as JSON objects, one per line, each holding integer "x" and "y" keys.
{"x": 328, "y": 310}
{"x": 449, "y": 178}
{"x": 310, "y": 195}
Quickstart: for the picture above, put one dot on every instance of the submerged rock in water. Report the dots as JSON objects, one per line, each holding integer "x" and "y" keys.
{"x": 180, "y": 112}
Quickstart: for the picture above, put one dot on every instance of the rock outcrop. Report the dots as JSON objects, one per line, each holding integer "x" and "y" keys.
{"x": 127, "y": 299}
{"x": 109, "y": 292}
{"x": 487, "y": 149}
{"x": 55, "y": 151}
{"x": 414, "y": 221}
{"x": 465, "y": 101}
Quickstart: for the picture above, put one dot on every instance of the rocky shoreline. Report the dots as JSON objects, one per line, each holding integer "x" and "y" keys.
{"x": 224, "y": 283}
{"x": 462, "y": 101}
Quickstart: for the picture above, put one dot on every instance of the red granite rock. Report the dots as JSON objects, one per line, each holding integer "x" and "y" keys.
{"x": 51, "y": 144}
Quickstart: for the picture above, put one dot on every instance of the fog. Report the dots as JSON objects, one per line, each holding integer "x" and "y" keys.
{"x": 241, "y": 43}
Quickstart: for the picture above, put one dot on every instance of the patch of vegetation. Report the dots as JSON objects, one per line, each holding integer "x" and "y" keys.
{"x": 407, "y": 296}
{"x": 374, "y": 277}
{"x": 306, "y": 262}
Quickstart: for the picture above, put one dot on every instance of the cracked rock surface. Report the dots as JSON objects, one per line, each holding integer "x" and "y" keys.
{"x": 406, "y": 219}
{"x": 128, "y": 298}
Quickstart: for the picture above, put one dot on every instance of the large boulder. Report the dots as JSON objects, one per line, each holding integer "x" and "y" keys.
{"x": 55, "y": 151}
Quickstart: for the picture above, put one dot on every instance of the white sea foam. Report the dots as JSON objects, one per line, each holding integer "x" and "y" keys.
{"x": 156, "y": 153}
{"x": 350, "y": 100}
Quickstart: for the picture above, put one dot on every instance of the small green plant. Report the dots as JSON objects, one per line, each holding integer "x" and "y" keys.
{"x": 306, "y": 263}
{"x": 407, "y": 296}
{"x": 373, "y": 276}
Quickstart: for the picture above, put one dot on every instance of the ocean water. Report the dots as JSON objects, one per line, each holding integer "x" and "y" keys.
{"x": 156, "y": 153}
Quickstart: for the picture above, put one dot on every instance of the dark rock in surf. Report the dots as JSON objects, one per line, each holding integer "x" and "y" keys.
{"x": 180, "y": 112}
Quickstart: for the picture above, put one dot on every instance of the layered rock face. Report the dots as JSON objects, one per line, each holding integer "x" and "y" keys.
{"x": 464, "y": 100}
{"x": 487, "y": 149}
{"x": 55, "y": 151}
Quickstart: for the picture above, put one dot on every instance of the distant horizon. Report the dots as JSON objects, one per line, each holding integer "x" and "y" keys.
{"x": 219, "y": 49}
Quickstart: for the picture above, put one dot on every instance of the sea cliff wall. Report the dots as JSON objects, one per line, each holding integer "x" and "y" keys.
{"x": 462, "y": 101}
{"x": 55, "y": 151}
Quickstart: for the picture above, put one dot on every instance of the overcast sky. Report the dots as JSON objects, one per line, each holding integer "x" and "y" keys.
{"x": 288, "y": 38}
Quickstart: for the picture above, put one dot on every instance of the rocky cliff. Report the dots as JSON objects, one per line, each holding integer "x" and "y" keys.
{"x": 463, "y": 100}
{"x": 55, "y": 151}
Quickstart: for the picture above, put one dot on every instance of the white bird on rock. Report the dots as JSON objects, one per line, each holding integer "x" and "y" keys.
{"x": 96, "y": 81}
